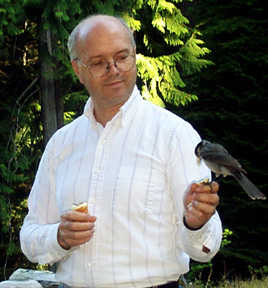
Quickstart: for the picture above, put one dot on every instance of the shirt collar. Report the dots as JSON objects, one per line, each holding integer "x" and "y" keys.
{"x": 125, "y": 112}
{"x": 88, "y": 112}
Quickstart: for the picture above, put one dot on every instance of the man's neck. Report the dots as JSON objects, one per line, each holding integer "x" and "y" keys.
{"x": 104, "y": 115}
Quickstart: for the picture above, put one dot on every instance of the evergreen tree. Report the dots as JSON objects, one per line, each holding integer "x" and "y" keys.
{"x": 232, "y": 110}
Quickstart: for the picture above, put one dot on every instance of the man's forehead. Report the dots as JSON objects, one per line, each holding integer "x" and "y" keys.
{"x": 98, "y": 22}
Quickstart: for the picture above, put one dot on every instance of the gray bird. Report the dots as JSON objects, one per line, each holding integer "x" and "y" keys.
{"x": 218, "y": 160}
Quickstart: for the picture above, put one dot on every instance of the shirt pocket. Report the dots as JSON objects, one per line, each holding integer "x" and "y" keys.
{"x": 141, "y": 188}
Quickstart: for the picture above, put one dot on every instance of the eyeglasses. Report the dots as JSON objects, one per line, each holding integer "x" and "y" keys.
{"x": 98, "y": 68}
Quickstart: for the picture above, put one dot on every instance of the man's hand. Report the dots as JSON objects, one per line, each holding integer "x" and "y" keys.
{"x": 75, "y": 228}
{"x": 200, "y": 202}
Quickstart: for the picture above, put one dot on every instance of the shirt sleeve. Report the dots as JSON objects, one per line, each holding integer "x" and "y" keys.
{"x": 203, "y": 244}
{"x": 38, "y": 235}
{"x": 184, "y": 169}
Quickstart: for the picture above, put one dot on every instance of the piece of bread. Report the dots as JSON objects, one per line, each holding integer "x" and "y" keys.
{"x": 82, "y": 207}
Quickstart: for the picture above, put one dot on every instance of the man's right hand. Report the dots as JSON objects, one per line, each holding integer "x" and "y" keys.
{"x": 75, "y": 228}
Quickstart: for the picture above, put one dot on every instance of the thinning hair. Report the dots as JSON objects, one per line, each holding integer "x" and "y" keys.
{"x": 74, "y": 36}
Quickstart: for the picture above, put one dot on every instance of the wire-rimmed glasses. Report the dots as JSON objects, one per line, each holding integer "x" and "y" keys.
{"x": 123, "y": 62}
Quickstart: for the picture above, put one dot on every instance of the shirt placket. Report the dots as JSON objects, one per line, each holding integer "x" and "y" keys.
{"x": 96, "y": 191}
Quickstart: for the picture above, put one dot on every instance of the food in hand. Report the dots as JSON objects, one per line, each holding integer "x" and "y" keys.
{"x": 82, "y": 207}
{"x": 204, "y": 181}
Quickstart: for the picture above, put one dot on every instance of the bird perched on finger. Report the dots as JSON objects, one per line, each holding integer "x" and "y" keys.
{"x": 219, "y": 161}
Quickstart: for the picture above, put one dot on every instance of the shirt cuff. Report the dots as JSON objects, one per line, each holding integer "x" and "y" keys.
{"x": 204, "y": 243}
{"x": 55, "y": 251}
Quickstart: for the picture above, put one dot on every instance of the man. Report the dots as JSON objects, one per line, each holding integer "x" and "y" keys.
{"x": 134, "y": 164}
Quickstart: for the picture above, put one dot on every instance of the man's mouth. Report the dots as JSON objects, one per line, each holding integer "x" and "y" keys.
{"x": 114, "y": 83}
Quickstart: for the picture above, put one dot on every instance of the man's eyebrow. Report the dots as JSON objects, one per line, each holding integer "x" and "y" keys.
{"x": 123, "y": 50}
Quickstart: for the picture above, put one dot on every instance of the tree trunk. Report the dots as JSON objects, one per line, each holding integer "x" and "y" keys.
{"x": 48, "y": 99}
{"x": 59, "y": 103}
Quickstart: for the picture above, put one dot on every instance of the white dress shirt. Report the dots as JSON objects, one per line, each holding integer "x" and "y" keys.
{"x": 133, "y": 174}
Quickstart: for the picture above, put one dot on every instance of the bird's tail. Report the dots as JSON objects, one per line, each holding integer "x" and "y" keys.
{"x": 252, "y": 191}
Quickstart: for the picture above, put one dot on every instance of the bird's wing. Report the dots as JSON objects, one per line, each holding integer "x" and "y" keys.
{"x": 220, "y": 156}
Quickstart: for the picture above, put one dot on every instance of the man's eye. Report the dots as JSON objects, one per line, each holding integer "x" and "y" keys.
{"x": 99, "y": 63}
{"x": 122, "y": 57}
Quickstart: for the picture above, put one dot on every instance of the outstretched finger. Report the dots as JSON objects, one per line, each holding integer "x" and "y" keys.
{"x": 214, "y": 187}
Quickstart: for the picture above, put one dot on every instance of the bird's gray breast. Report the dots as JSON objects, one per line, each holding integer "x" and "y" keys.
{"x": 218, "y": 169}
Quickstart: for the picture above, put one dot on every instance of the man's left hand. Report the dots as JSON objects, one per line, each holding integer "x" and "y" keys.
{"x": 200, "y": 202}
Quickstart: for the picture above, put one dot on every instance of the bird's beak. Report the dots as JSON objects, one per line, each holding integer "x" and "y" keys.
{"x": 197, "y": 150}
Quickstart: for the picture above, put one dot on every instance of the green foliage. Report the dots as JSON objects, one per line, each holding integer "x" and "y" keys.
{"x": 10, "y": 15}
{"x": 160, "y": 77}
{"x": 225, "y": 237}
{"x": 198, "y": 270}
{"x": 177, "y": 50}
{"x": 261, "y": 272}
{"x": 202, "y": 273}
{"x": 20, "y": 132}
{"x": 232, "y": 111}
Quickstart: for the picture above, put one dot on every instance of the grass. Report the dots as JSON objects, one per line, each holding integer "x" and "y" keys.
{"x": 245, "y": 284}
{"x": 254, "y": 283}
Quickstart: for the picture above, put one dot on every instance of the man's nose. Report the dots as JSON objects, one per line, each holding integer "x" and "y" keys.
{"x": 112, "y": 68}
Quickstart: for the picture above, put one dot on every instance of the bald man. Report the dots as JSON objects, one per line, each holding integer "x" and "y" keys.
{"x": 132, "y": 163}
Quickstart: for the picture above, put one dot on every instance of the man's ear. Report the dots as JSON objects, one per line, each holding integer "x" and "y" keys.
{"x": 77, "y": 70}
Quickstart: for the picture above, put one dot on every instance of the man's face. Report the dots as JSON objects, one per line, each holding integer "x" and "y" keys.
{"x": 105, "y": 42}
